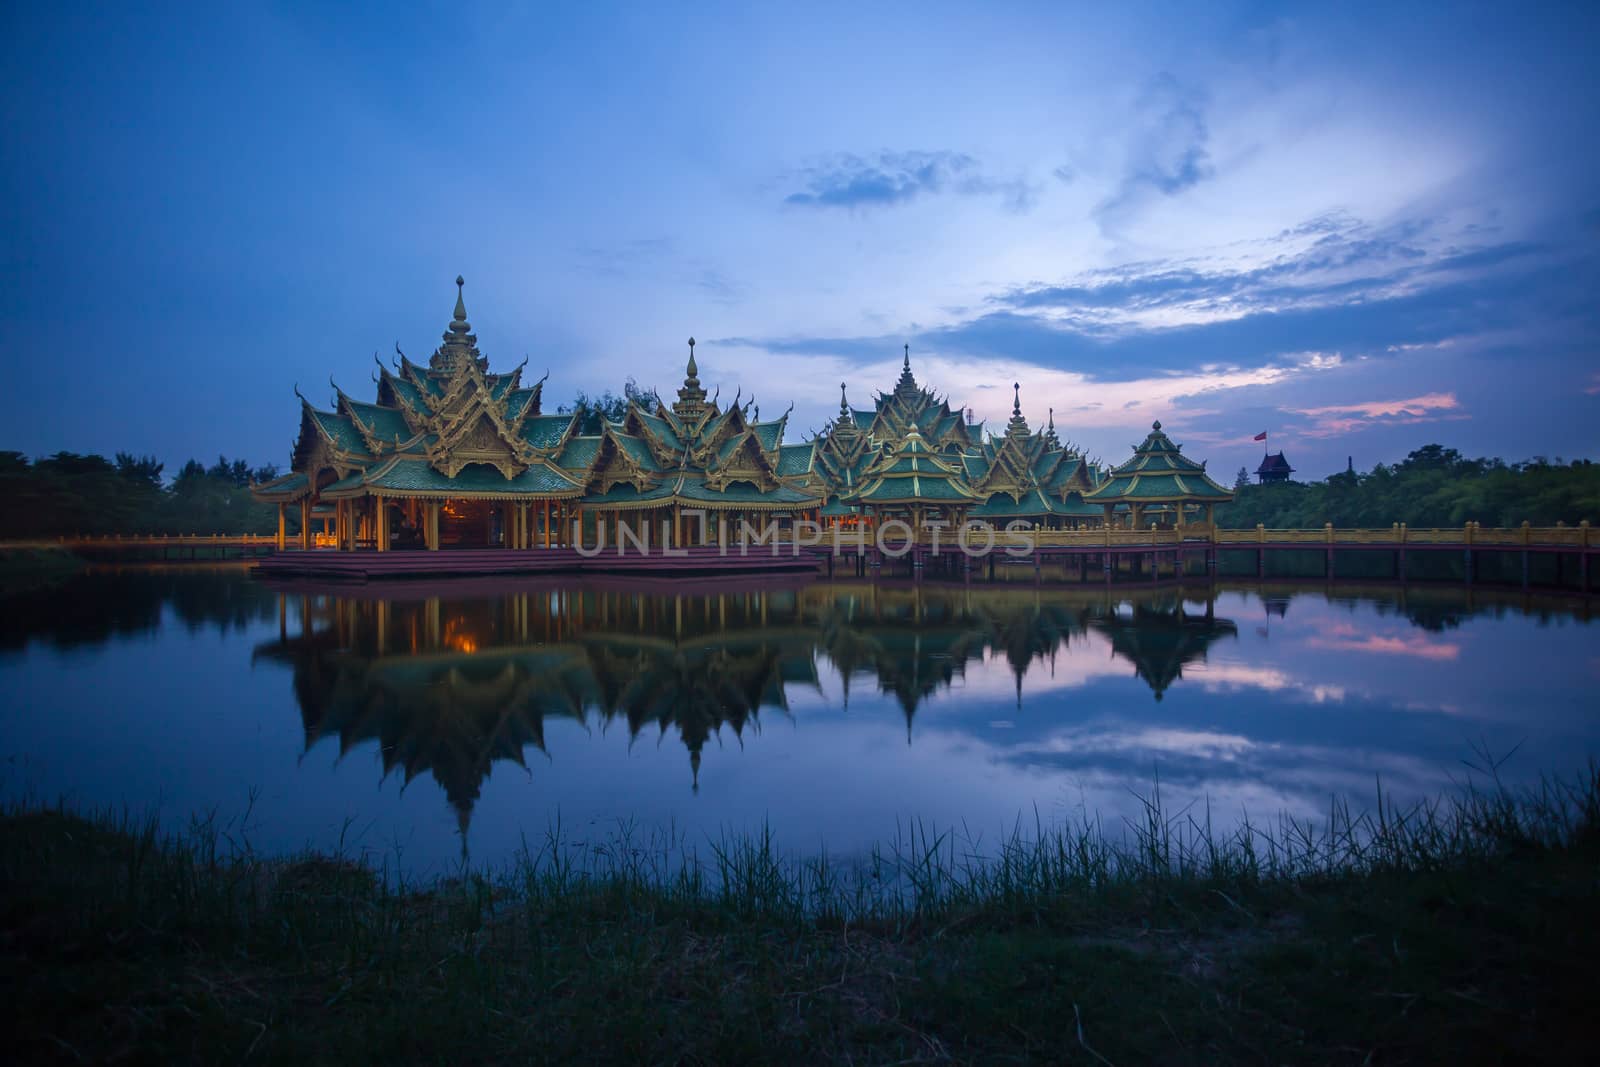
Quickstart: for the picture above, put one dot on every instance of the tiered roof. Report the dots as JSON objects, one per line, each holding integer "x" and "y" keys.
{"x": 1158, "y": 473}
{"x": 913, "y": 474}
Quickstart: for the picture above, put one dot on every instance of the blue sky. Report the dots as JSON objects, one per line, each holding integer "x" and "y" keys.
{"x": 1359, "y": 229}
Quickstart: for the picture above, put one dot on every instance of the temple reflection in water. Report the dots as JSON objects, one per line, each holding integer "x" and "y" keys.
{"x": 449, "y": 685}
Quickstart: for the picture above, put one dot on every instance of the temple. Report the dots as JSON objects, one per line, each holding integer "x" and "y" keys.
{"x": 452, "y": 455}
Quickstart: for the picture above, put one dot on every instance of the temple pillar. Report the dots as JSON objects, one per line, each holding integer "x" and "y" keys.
{"x": 281, "y": 526}
{"x": 380, "y": 513}
{"x": 430, "y": 525}
{"x": 545, "y": 510}
{"x": 305, "y": 523}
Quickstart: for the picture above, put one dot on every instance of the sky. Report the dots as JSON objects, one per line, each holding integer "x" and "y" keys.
{"x": 1359, "y": 228}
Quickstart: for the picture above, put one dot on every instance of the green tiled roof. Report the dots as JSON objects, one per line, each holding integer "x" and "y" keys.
{"x": 341, "y": 431}
{"x": 768, "y": 434}
{"x": 912, "y": 489}
{"x": 795, "y": 459}
{"x": 406, "y": 391}
{"x": 728, "y": 448}
{"x": 836, "y": 509}
{"x": 517, "y": 401}
{"x": 1163, "y": 486}
{"x": 1033, "y": 502}
{"x": 637, "y": 450}
{"x": 579, "y": 453}
{"x": 695, "y": 489}
{"x": 1076, "y": 505}
{"x": 500, "y": 385}
{"x": 289, "y": 487}
{"x": 544, "y": 431}
{"x": 414, "y": 476}
{"x": 345, "y": 484}
{"x": 1158, "y": 472}
{"x": 386, "y": 424}
{"x": 628, "y": 493}
{"x": 662, "y": 429}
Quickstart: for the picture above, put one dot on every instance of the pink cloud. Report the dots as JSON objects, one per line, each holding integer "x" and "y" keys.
{"x": 1344, "y": 638}
{"x": 1334, "y": 419}
{"x": 1417, "y": 406}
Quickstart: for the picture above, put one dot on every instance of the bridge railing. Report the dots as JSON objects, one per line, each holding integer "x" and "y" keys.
{"x": 136, "y": 540}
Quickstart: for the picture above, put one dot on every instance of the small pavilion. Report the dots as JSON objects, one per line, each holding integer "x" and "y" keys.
{"x": 1159, "y": 479}
{"x": 915, "y": 484}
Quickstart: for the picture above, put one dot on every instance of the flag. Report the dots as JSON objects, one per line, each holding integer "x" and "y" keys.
{"x": 1262, "y": 436}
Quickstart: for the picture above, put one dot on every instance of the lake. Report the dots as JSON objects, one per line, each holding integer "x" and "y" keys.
{"x": 415, "y": 724}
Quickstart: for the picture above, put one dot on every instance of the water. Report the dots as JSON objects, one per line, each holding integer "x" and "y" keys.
{"x": 414, "y": 723}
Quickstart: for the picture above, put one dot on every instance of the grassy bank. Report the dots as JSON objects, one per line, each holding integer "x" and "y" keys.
{"x": 25, "y": 569}
{"x": 1460, "y": 931}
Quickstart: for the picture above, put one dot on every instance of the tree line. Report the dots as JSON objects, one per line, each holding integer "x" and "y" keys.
{"x": 69, "y": 493}
{"x": 1434, "y": 486}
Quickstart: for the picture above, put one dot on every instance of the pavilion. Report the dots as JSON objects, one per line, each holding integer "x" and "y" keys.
{"x": 1159, "y": 479}
{"x": 451, "y": 454}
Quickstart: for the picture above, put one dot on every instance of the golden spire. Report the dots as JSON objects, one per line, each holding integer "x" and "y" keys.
{"x": 460, "y": 346}
{"x": 691, "y": 397}
{"x": 907, "y": 385}
{"x": 1018, "y": 426}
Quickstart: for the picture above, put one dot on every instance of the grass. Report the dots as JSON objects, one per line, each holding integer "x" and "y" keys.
{"x": 1459, "y": 930}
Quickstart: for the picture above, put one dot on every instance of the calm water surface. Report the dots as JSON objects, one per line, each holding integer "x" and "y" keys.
{"x": 415, "y": 722}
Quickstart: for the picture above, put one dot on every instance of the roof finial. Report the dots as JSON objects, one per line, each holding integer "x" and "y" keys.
{"x": 1156, "y": 425}
{"x": 1052, "y": 423}
{"x": 844, "y": 405}
{"x": 461, "y": 304}
{"x": 1016, "y": 398}
{"x": 907, "y": 363}
{"x": 694, "y": 371}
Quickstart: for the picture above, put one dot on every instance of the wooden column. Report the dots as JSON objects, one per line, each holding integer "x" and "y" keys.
{"x": 546, "y": 510}
{"x": 281, "y": 526}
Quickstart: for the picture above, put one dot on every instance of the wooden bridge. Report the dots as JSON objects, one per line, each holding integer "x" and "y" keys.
{"x": 159, "y": 546}
{"x": 1172, "y": 552}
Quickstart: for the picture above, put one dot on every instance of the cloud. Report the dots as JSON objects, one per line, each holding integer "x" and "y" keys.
{"x": 1346, "y": 638}
{"x": 890, "y": 178}
{"x": 1334, "y": 419}
{"x": 1168, "y": 153}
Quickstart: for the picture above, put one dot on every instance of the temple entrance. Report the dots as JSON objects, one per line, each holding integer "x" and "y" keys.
{"x": 471, "y": 524}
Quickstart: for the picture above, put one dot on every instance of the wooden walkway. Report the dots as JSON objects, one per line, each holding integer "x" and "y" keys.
{"x": 417, "y": 563}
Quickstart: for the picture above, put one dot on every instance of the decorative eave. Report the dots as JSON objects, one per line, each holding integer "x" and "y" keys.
{"x": 286, "y": 488}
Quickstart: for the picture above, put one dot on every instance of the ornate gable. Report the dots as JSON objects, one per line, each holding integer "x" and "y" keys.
{"x": 741, "y": 459}
{"x": 622, "y": 458}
